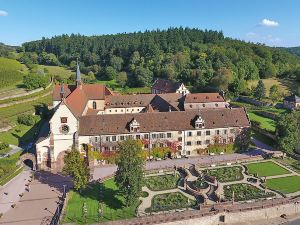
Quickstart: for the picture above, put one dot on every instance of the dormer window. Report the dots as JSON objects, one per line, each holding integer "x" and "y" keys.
{"x": 199, "y": 122}
{"x": 134, "y": 126}
{"x": 94, "y": 105}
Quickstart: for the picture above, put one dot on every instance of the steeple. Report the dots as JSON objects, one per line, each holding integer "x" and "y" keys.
{"x": 62, "y": 91}
{"x": 78, "y": 76}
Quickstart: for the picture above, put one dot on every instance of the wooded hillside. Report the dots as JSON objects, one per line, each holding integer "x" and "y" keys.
{"x": 198, "y": 58}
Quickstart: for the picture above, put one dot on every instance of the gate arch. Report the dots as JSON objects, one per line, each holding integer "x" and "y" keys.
{"x": 29, "y": 157}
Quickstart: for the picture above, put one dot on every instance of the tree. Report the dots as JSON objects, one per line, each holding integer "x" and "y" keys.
{"x": 274, "y": 93}
{"x": 222, "y": 79}
{"x": 116, "y": 62}
{"x": 34, "y": 81}
{"x": 260, "y": 90}
{"x": 76, "y": 167}
{"x": 143, "y": 76}
{"x": 269, "y": 70}
{"x": 122, "y": 79}
{"x": 129, "y": 175}
{"x": 288, "y": 131}
{"x": 243, "y": 140}
{"x": 109, "y": 73}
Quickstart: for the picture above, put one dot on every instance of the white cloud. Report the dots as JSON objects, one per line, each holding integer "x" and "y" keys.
{"x": 269, "y": 23}
{"x": 3, "y": 13}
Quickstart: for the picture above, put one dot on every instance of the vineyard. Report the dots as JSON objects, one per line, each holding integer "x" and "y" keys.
{"x": 10, "y": 72}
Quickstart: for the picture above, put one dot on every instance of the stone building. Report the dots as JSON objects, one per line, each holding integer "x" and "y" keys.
{"x": 292, "y": 102}
{"x": 90, "y": 114}
{"x": 162, "y": 86}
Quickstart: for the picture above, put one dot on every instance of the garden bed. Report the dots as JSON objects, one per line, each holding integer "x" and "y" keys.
{"x": 170, "y": 201}
{"x": 244, "y": 192}
{"x": 226, "y": 174}
{"x": 162, "y": 182}
{"x": 265, "y": 169}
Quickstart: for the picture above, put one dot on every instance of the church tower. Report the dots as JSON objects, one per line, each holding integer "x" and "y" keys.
{"x": 78, "y": 76}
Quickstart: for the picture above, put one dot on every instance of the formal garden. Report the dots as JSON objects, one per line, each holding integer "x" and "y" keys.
{"x": 162, "y": 182}
{"x": 226, "y": 174}
{"x": 265, "y": 169}
{"x": 244, "y": 192}
{"x": 170, "y": 201}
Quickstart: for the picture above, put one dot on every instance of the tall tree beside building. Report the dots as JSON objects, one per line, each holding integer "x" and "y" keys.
{"x": 260, "y": 90}
{"x": 288, "y": 131}
{"x": 76, "y": 167}
{"x": 129, "y": 175}
{"x": 274, "y": 93}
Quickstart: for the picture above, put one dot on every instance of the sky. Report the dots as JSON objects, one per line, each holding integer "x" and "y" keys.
{"x": 272, "y": 22}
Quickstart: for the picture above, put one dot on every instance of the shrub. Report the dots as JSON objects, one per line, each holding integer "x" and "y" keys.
{"x": 3, "y": 146}
{"x": 34, "y": 81}
{"x": 26, "y": 119}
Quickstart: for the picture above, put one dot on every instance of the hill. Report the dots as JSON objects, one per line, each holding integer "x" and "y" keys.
{"x": 10, "y": 72}
{"x": 294, "y": 50}
{"x": 198, "y": 58}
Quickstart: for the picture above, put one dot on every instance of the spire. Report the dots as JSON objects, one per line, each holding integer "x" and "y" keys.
{"x": 62, "y": 90}
{"x": 78, "y": 76}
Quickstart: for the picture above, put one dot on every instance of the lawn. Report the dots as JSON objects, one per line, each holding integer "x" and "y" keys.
{"x": 170, "y": 201}
{"x": 266, "y": 169}
{"x": 265, "y": 123}
{"x": 295, "y": 164}
{"x": 263, "y": 138}
{"x": 285, "y": 185}
{"x": 10, "y": 175}
{"x": 8, "y": 168}
{"x": 162, "y": 182}
{"x": 244, "y": 192}
{"x": 227, "y": 174}
{"x": 113, "y": 204}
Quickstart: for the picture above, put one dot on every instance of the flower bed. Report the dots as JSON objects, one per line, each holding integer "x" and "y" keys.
{"x": 226, "y": 174}
{"x": 200, "y": 183}
{"x": 162, "y": 182}
{"x": 170, "y": 201}
{"x": 244, "y": 192}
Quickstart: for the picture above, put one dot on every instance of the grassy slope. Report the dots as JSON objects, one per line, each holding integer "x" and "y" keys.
{"x": 286, "y": 85}
{"x": 113, "y": 205}
{"x": 265, "y": 169}
{"x": 265, "y": 122}
{"x": 285, "y": 184}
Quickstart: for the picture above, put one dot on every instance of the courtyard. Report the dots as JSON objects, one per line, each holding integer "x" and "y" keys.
{"x": 184, "y": 189}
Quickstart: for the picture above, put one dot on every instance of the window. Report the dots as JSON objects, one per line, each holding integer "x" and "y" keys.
{"x": 106, "y": 148}
{"x": 198, "y": 133}
{"x": 161, "y": 145}
{"x": 94, "y": 105}
{"x": 116, "y": 110}
{"x": 153, "y": 145}
{"x": 179, "y": 147}
{"x": 146, "y": 146}
{"x": 189, "y": 134}
{"x": 224, "y": 141}
{"x": 65, "y": 129}
{"x": 217, "y": 132}
{"x": 114, "y": 148}
{"x": 189, "y": 143}
{"x": 110, "y": 110}
{"x": 180, "y": 139}
{"x": 153, "y": 136}
{"x": 169, "y": 135}
{"x": 199, "y": 143}
{"x": 203, "y": 105}
{"x": 207, "y": 142}
{"x": 114, "y": 138}
{"x": 179, "y": 132}
{"x": 217, "y": 105}
{"x": 231, "y": 131}
{"x": 146, "y": 136}
{"x": 138, "y": 137}
{"x": 224, "y": 131}
{"x": 107, "y": 138}
{"x": 208, "y": 132}
{"x": 122, "y": 138}
{"x": 63, "y": 119}
{"x": 162, "y": 135}
{"x": 96, "y": 139}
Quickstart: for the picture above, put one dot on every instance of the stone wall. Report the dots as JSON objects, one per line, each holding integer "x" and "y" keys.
{"x": 253, "y": 101}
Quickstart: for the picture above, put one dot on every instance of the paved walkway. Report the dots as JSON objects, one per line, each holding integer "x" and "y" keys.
{"x": 103, "y": 171}
{"x": 38, "y": 205}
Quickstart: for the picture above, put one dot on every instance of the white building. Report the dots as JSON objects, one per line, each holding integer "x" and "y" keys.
{"x": 90, "y": 114}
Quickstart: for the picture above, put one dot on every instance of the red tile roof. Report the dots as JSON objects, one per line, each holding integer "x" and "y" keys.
{"x": 166, "y": 86}
{"x": 96, "y": 91}
{"x": 56, "y": 91}
{"x": 162, "y": 121}
{"x": 203, "y": 98}
{"x": 77, "y": 101}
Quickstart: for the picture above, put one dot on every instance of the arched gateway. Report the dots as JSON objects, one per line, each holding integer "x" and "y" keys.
{"x": 29, "y": 160}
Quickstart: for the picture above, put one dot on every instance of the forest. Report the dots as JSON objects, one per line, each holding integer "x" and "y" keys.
{"x": 204, "y": 59}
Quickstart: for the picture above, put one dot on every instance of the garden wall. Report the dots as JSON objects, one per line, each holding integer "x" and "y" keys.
{"x": 264, "y": 132}
{"x": 253, "y": 101}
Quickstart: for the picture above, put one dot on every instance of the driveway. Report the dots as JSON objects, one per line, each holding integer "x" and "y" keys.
{"x": 38, "y": 205}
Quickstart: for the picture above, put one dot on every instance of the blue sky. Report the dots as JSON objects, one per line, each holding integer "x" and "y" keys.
{"x": 273, "y": 22}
